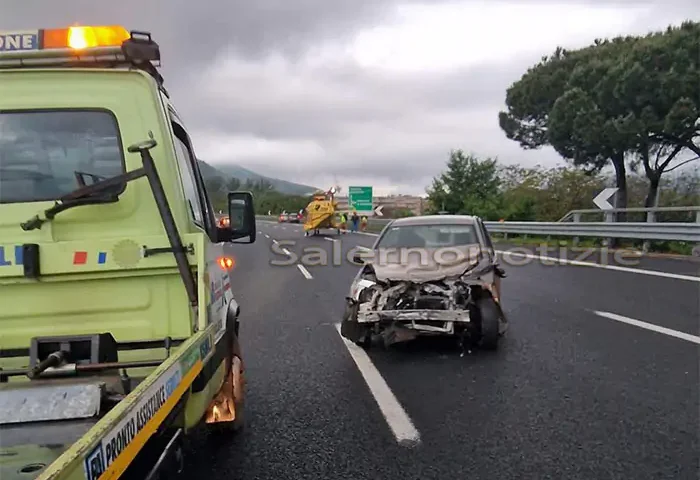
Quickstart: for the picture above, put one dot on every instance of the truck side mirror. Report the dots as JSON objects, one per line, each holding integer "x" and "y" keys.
{"x": 241, "y": 214}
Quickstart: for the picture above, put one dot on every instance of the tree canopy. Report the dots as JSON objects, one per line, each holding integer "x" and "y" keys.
{"x": 467, "y": 186}
{"x": 628, "y": 101}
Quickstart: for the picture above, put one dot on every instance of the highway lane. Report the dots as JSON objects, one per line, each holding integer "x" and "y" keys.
{"x": 570, "y": 395}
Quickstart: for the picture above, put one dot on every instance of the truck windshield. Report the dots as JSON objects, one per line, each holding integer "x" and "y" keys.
{"x": 428, "y": 236}
{"x": 47, "y": 154}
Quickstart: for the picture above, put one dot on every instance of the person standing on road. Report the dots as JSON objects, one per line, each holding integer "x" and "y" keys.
{"x": 363, "y": 223}
{"x": 355, "y": 221}
{"x": 343, "y": 222}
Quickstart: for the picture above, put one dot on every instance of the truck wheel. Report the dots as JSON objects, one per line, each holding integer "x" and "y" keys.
{"x": 236, "y": 388}
{"x": 489, "y": 315}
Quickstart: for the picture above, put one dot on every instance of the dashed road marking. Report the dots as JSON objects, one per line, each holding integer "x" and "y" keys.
{"x": 396, "y": 417}
{"x": 286, "y": 252}
{"x": 330, "y": 239}
{"x": 304, "y": 271}
{"x": 267, "y": 236}
{"x": 618, "y": 268}
{"x": 649, "y": 326}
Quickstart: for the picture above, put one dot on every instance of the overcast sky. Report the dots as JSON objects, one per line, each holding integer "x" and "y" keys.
{"x": 371, "y": 92}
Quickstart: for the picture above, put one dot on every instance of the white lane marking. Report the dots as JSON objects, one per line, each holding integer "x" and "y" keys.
{"x": 362, "y": 247}
{"x": 649, "y": 326}
{"x": 286, "y": 252}
{"x": 394, "y": 414}
{"x": 367, "y": 233}
{"x": 329, "y": 239}
{"x": 304, "y": 271}
{"x": 275, "y": 241}
{"x": 267, "y": 236}
{"x": 618, "y": 268}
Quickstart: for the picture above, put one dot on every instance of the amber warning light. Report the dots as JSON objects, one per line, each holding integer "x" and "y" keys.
{"x": 226, "y": 263}
{"x": 74, "y": 38}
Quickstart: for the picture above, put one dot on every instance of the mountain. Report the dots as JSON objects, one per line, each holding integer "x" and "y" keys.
{"x": 243, "y": 174}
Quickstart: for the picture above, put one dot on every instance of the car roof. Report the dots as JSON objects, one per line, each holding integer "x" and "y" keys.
{"x": 434, "y": 220}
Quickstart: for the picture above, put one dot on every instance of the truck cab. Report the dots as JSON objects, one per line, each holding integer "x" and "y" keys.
{"x": 119, "y": 330}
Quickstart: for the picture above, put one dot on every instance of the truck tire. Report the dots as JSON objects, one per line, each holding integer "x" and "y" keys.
{"x": 236, "y": 363}
{"x": 489, "y": 316}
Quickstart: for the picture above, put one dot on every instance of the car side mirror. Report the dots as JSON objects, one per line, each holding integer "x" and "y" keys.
{"x": 241, "y": 214}
{"x": 358, "y": 259}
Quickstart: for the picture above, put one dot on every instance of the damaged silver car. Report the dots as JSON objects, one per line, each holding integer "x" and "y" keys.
{"x": 427, "y": 275}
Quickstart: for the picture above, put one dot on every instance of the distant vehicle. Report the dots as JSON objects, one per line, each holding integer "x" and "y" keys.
{"x": 283, "y": 218}
{"x": 295, "y": 218}
{"x": 427, "y": 275}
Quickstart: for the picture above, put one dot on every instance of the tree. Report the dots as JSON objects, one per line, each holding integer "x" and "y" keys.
{"x": 656, "y": 89}
{"x": 468, "y": 186}
{"x": 625, "y": 100}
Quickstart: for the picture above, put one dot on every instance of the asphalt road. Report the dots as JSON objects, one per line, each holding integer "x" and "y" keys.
{"x": 578, "y": 390}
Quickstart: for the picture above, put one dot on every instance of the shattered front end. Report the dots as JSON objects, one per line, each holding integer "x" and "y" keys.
{"x": 466, "y": 306}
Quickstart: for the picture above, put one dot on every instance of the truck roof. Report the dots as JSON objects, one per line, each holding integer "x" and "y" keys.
{"x": 81, "y": 47}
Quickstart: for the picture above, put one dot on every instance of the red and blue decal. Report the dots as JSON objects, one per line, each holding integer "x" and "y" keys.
{"x": 6, "y": 259}
{"x": 81, "y": 258}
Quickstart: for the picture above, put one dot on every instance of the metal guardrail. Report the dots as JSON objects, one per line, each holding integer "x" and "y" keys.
{"x": 647, "y": 231}
{"x": 682, "y": 232}
{"x": 575, "y": 215}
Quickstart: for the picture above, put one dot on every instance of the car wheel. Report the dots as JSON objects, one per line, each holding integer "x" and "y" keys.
{"x": 351, "y": 329}
{"x": 489, "y": 323}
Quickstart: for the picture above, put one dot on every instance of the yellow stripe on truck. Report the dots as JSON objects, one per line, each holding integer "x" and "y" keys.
{"x": 122, "y": 462}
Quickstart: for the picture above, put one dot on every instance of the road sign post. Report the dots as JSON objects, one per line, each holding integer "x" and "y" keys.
{"x": 360, "y": 200}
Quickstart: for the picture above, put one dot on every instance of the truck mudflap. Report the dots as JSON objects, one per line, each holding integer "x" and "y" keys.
{"x": 113, "y": 443}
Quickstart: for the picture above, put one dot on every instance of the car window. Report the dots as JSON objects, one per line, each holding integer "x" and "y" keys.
{"x": 428, "y": 236}
{"x": 47, "y": 154}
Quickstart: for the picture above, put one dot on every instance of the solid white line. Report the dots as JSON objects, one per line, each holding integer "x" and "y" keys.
{"x": 304, "y": 271}
{"x": 618, "y": 268}
{"x": 397, "y": 418}
{"x": 286, "y": 252}
{"x": 649, "y": 326}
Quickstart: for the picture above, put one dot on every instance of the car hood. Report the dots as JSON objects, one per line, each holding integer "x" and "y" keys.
{"x": 424, "y": 264}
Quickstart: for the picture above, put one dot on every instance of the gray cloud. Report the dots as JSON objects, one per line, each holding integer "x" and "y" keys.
{"x": 335, "y": 118}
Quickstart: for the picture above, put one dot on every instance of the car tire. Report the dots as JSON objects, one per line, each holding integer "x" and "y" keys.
{"x": 489, "y": 323}
{"x": 351, "y": 329}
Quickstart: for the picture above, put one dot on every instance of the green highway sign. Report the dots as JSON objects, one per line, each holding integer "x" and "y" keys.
{"x": 360, "y": 199}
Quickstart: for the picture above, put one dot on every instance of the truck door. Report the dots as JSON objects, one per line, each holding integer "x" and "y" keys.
{"x": 215, "y": 276}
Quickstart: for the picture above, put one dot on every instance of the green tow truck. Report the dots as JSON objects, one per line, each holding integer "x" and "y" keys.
{"x": 119, "y": 332}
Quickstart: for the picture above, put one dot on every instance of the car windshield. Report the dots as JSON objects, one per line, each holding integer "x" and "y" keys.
{"x": 428, "y": 236}
{"x": 47, "y": 154}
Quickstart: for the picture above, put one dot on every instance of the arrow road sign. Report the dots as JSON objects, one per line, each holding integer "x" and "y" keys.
{"x": 601, "y": 200}
{"x": 378, "y": 210}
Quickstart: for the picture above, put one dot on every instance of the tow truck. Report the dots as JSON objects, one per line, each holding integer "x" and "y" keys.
{"x": 119, "y": 331}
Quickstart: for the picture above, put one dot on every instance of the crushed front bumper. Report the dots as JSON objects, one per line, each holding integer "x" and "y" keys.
{"x": 424, "y": 321}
